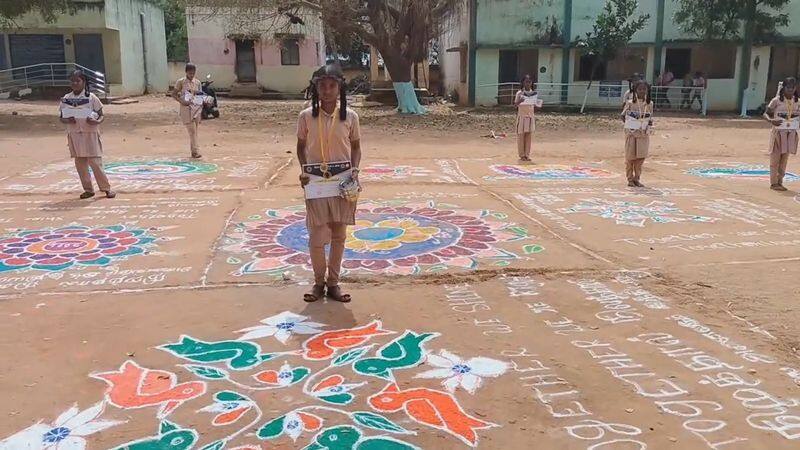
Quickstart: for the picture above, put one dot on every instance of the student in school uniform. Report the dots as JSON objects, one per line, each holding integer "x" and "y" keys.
{"x": 83, "y": 134}
{"x": 191, "y": 113}
{"x": 328, "y": 132}
{"x": 637, "y": 141}
{"x": 525, "y": 120}
{"x": 631, "y": 82}
{"x": 699, "y": 84}
{"x": 783, "y": 142}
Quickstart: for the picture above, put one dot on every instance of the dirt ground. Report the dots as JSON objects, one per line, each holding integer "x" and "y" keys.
{"x": 496, "y": 305}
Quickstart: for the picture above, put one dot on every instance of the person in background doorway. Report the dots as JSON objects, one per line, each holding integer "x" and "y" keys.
{"x": 699, "y": 84}
{"x": 83, "y": 134}
{"x": 186, "y": 92}
{"x": 637, "y": 141}
{"x": 525, "y": 120}
{"x": 686, "y": 91}
{"x": 783, "y": 142}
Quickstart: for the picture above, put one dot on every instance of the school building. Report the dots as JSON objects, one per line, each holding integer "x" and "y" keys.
{"x": 124, "y": 40}
{"x": 496, "y": 42}
{"x": 278, "y": 52}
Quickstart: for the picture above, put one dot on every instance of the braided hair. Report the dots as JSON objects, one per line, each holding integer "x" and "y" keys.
{"x": 635, "y": 84}
{"x": 334, "y": 72}
{"x": 792, "y": 81}
{"x": 86, "y": 85}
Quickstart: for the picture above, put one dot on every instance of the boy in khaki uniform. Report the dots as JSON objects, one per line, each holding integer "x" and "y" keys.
{"x": 190, "y": 113}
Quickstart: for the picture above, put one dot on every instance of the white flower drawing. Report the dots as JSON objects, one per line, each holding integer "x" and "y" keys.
{"x": 457, "y": 372}
{"x": 67, "y": 432}
{"x": 281, "y": 326}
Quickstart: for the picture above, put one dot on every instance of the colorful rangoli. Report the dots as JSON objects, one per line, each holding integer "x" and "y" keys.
{"x": 397, "y": 238}
{"x": 158, "y": 169}
{"x": 221, "y": 382}
{"x": 742, "y": 172}
{"x": 634, "y": 214}
{"x": 61, "y": 248}
{"x": 548, "y": 172}
{"x": 383, "y": 172}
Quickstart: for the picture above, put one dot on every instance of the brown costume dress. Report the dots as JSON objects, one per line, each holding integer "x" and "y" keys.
{"x": 83, "y": 139}
{"x": 327, "y": 218}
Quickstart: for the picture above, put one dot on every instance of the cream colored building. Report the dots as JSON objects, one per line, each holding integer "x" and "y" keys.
{"x": 273, "y": 54}
{"x": 123, "y": 39}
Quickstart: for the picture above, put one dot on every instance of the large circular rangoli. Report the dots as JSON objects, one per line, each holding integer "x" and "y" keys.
{"x": 158, "y": 169}
{"x": 61, "y": 248}
{"x": 742, "y": 172}
{"x": 401, "y": 239}
{"x": 551, "y": 172}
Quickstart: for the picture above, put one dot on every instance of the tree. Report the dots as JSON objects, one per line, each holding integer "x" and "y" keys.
{"x": 175, "y": 25}
{"x": 729, "y": 19}
{"x": 750, "y": 21}
{"x": 612, "y": 30}
{"x": 401, "y": 30}
{"x": 49, "y": 9}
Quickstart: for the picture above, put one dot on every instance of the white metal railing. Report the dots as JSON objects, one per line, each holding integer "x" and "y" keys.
{"x": 598, "y": 95}
{"x": 50, "y": 74}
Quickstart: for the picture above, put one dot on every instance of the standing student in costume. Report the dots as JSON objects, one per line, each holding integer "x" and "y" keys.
{"x": 186, "y": 91}
{"x": 631, "y": 82}
{"x": 525, "y": 120}
{"x": 783, "y": 141}
{"x": 637, "y": 141}
{"x": 83, "y": 134}
{"x": 328, "y": 132}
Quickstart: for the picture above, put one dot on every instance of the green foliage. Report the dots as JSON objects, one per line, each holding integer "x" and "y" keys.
{"x": 48, "y": 9}
{"x": 612, "y": 30}
{"x": 175, "y": 23}
{"x": 726, "y": 19}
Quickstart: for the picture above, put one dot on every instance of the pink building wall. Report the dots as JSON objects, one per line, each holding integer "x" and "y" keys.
{"x": 268, "y": 53}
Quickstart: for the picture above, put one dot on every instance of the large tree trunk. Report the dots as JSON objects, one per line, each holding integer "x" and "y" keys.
{"x": 400, "y": 70}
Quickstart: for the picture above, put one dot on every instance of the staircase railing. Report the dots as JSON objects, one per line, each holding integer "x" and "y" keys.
{"x": 50, "y": 74}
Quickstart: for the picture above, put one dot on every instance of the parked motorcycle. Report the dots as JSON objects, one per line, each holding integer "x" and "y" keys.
{"x": 210, "y": 105}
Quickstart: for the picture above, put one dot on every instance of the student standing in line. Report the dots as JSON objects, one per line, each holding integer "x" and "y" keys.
{"x": 699, "y": 84}
{"x": 328, "y": 134}
{"x": 781, "y": 110}
{"x": 525, "y": 120}
{"x": 83, "y": 134}
{"x": 635, "y": 78}
{"x": 637, "y": 141}
{"x": 186, "y": 91}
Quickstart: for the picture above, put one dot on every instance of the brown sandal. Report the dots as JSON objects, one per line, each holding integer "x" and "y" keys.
{"x": 317, "y": 292}
{"x": 335, "y": 293}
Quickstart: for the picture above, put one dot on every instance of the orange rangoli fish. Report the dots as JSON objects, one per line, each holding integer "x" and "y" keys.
{"x": 133, "y": 386}
{"x": 433, "y": 408}
{"x": 325, "y": 345}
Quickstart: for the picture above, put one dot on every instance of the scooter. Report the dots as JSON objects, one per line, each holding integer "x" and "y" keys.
{"x": 210, "y": 106}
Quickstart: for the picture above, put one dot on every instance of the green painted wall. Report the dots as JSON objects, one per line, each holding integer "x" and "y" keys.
{"x": 486, "y": 64}
{"x": 119, "y": 24}
{"x": 584, "y": 13}
{"x": 527, "y": 23}
{"x": 515, "y": 23}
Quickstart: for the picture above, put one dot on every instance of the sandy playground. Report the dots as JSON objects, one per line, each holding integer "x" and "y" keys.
{"x": 496, "y": 305}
